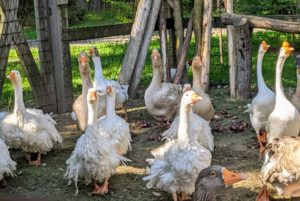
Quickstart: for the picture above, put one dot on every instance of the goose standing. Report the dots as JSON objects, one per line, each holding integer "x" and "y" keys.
{"x": 100, "y": 83}
{"x": 198, "y": 128}
{"x": 204, "y": 108}
{"x": 161, "y": 99}
{"x": 28, "y": 129}
{"x": 79, "y": 113}
{"x": 113, "y": 125}
{"x": 213, "y": 179}
{"x": 94, "y": 157}
{"x": 263, "y": 103}
{"x": 282, "y": 168}
{"x": 7, "y": 165}
{"x": 284, "y": 120}
{"x": 176, "y": 164}
{"x": 296, "y": 96}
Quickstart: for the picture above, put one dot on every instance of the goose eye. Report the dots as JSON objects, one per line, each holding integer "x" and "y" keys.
{"x": 213, "y": 173}
{"x": 186, "y": 95}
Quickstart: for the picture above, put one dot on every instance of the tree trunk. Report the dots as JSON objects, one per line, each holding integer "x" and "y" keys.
{"x": 183, "y": 55}
{"x": 206, "y": 41}
{"x": 135, "y": 41}
{"x": 197, "y": 24}
{"x": 231, "y": 52}
{"x": 144, "y": 47}
{"x": 243, "y": 35}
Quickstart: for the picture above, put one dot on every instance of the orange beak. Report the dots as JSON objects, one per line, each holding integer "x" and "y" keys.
{"x": 264, "y": 45}
{"x": 83, "y": 60}
{"x": 287, "y": 48}
{"x": 93, "y": 96}
{"x": 91, "y": 51}
{"x": 196, "y": 98}
{"x": 11, "y": 76}
{"x": 109, "y": 89}
{"x": 232, "y": 177}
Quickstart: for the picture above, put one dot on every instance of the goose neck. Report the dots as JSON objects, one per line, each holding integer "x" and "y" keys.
{"x": 92, "y": 115}
{"x": 98, "y": 68}
{"x": 279, "y": 87}
{"x": 197, "y": 81}
{"x": 110, "y": 105}
{"x": 260, "y": 80}
{"x": 19, "y": 106}
{"x": 204, "y": 195}
{"x": 156, "y": 77}
{"x": 86, "y": 84}
{"x": 183, "y": 123}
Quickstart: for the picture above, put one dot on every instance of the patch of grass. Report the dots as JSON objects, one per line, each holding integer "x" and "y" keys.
{"x": 30, "y": 33}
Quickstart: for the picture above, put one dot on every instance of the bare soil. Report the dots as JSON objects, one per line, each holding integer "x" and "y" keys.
{"x": 235, "y": 148}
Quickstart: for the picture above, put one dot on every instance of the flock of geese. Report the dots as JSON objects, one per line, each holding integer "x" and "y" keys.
{"x": 182, "y": 165}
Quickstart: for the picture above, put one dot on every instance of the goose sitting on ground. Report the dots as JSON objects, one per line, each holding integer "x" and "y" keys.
{"x": 205, "y": 108}
{"x": 285, "y": 118}
{"x": 296, "y": 96}
{"x": 282, "y": 168}
{"x": 7, "y": 165}
{"x": 100, "y": 83}
{"x": 263, "y": 103}
{"x": 176, "y": 164}
{"x": 94, "y": 157}
{"x": 28, "y": 129}
{"x": 113, "y": 125}
{"x": 198, "y": 128}
{"x": 212, "y": 180}
{"x": 161, "y": 99}
{"x": 80, "y": 104}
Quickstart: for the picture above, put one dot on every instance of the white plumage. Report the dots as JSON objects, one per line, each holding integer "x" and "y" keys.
{"x": 7, "y": 165}
{"x": 176, "y": 164}
{"x": 28, "y": 129}
{"x": 113, "y": 125}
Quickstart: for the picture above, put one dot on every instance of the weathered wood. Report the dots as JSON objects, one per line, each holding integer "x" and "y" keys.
{"x": 206, "y": 41}
{"x": 243, "y": 36}
{"x": 183, "y": 55}
{"x": 164, "y": 44}
{"x": 197, "y": 25}
{"x": 144, "y": 47}
{"x": 179, "y": 32}
{"x": 220, "y": 45}
{"x": 62, "y": 72}
{"x": 261, "y": 22}
{"x": 135, "y": 41}
{"x": 231, "y": 52}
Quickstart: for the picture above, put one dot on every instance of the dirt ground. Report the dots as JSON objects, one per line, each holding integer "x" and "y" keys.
{"x": 235, "y": 148}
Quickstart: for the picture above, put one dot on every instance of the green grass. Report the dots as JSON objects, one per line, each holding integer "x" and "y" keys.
{"x": 112, "y": 55}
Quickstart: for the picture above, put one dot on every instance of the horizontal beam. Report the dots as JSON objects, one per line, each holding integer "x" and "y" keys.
{"x": 260, "y": 22}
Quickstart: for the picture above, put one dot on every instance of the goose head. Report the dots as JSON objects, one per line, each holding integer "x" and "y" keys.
{"x": 83, "y": 62}
{"x": 15, "y": 77}
{"x": 156, "y": 59}
{"x": 92, "y": 96}
{"x": 93, "y": 52}
{"x": 298, "y": 66}
{"x": 186, "y": 87}
{"x": 110, "y": 91}
{"x": 263, "y": 47}
{"x": 189, "y": 98}
{"x": 197, "y": 64}
{"x": 285, "y": 50}
{"x": 215, "y": 178}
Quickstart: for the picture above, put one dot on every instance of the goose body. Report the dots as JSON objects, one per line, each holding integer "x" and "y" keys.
{"x": 176, "y": 164}
{"x": 28, "y": 129}
{"x": 7, "y": 165}
{"x": 94, "y": 157}
{"x": 296, "y": 96}
{"x": 285, "y": 118}
{"x": 204, "y": 108}
{"x": 113, "y": 125}
{"x": 161, "y": 99}
{"x": 263, "y": 103}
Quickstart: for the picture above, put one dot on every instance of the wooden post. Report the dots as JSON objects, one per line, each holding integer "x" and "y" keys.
{"x": 206, "y": 41}
{"x": 243, "y": 36}
{"x": 144, "y": 47}
{"x": 135, "y": 41}
{"x": 61, "y": 56}
{"x": 231, "y": 52}
{"x": 198, "y": 7}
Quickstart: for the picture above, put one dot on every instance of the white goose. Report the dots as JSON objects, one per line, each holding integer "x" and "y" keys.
{"x": 205, "y": 108}
{"x": 161, "y": 99}
{"x": 263, "y": 103}
{"x": 7, "y": 165}
{"x": 113, "y": 125}
{"x": 94, "y": 157}
{"x": 28, "y": 129}
{"x": 296, "y": 96}
{"x": 100, "y": 83}
{"x": 198, "y": 128}
{"x": 176, "y": 164}
{"x": 284, "y": 120}
{"x": 282, "y": 168}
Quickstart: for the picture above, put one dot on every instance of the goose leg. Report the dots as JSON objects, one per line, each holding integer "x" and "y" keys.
{"x": 125, "y": 112}
{"x": 36, "y": 162}
{"x": 263, "y": 194}
{"x": 262, "y": 139}
{"x": 174, "y": 195}
{"x": 101, "y": 190}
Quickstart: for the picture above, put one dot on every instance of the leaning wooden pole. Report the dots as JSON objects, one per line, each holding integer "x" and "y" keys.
{"x": 144, "y": 48}
{"x": 197, "y": 24}
{"x": 135, "y": 41}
